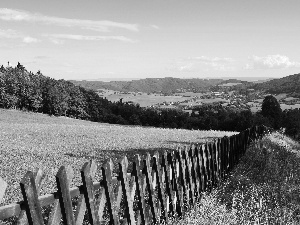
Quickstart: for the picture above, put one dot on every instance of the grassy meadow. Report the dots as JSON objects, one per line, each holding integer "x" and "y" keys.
{"x": 264, "y": 188}
{"x": 31, "y": 140}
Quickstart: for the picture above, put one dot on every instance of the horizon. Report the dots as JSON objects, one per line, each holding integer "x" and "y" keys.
{"x": 130, "y": 40}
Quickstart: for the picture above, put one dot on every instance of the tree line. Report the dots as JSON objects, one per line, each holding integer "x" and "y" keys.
{"x": 23, "y": 90}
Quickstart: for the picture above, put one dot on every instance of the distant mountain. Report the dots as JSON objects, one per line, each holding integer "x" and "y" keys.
{"x": 152, "y": 85}
{"x": 289, "y": 84}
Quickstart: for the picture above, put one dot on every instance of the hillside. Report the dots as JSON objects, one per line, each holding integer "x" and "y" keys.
{"x": 152, "y": 85}
{"x": 288, "y": 84}
{"x": 30, "y": 140}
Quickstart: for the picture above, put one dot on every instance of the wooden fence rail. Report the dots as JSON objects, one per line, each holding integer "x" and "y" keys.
{"x": 157, "y": 187}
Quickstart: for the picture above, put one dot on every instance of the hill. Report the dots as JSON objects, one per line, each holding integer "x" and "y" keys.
{"x": 289, "y": 84}
{"x": 165, "y": 85}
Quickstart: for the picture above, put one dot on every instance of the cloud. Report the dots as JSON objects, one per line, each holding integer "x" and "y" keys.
{"x": 155, "y": 26}
{"x": 271, "y": 62}
{"x": 30, "y": 40}
{"x": 9, "y": 33}
{"x": 58, "y": 38}
{"x": 103, "y": 25}
{"x": 204, "y": 63}
{"x": 12, "y": 34}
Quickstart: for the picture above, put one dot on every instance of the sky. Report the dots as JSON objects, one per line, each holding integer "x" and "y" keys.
{"x": 134, "y": 39}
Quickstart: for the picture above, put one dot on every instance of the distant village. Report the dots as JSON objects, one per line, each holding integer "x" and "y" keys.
{"x": 187, "y": 100}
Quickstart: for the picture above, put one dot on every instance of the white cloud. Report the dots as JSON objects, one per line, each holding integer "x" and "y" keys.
{"x": 271, "y": 62}
{"x": 155, "y": 26}
{"x": 9, "y": 33}
{"x": 204, "y": 63}
{"x": 28, "y": 39}
{"x": 12, "y": 34}
{"x": 104, "y": 25}
{"x": 58, "y": 38}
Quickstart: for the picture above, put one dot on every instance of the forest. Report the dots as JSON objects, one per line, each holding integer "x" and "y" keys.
{"x": 23, "y": 90}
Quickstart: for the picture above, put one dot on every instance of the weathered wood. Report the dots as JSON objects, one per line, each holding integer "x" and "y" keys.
{"x": 3, "y": 186}
{"x": 188, "y": 175}
{"x": 38, "y": 175}
{"x": 168, "y": 187}
{"x": 181, "y": 179}
{"x": 63, "y": 179}
{"x": 177, "y": 200}
{"x": 31, "y": 202}
{"x": 107, "y": 194}
{"x": 88, "y": 174}
{"x": 147, "y": 170}
{"x": 128, "y": 202}
{"x": 136, "y": 174}
{"x": 160, "y": 186}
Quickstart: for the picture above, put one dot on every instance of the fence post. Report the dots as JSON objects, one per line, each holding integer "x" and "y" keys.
{"x": 88, "y": 174}
{"x": 167, "y": 172}
{"x": 107, "y": 194}
{"x": 31, "y": 202}
{"x": 147, "y": 170}
{"x": 160, "y": 187}
{"x": 128, "y": 202}
{"x": 175, "y": 184}
{"x": 3, "y": 186}
{"x": 138, "y": 179}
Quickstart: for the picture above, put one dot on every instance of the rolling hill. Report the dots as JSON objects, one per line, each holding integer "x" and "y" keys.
{"x": 152, "y": 85}
{"x": 289, "y": 84}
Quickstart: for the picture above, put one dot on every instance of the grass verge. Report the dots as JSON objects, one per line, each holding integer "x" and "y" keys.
{"x": 263, "y": 189}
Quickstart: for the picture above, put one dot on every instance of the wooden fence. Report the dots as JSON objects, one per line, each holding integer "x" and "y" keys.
{"x": 156, "y": 188}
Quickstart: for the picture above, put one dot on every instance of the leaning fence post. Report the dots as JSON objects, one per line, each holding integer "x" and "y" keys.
{"x": 138, "y": 179}
{"x": 3, "y": 186}
{"x": 30, "y": 195}
{"x": 63, "y": 179}
{"x": 88, "y": 174}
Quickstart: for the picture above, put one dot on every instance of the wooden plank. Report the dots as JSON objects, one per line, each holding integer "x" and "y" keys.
{"x": 183, "y": 187}
{"x": 38, "y": 175}
{"x": 128, "y": 202}
{"x": 139, "y": 190}
{"x": 3, "y": 186}
{"x": 88, "y": 175}
{"x": 14, "y": 209}
{"x": 177, "y": 200}
{"x": 149, "y": 186}
{"x": 55, "y": 215}
{"x": 63, "y": 179}
{"x": 168, "y": 186}
{"x": 160, "y": 186}
{"x": 31, "y": 202}
{"x": 108, "y": 192}
{"x": 188, "y": 175}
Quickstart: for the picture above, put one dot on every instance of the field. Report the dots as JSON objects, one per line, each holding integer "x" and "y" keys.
{"x": 263, "y": 188}
{"x": 30, "y": 140}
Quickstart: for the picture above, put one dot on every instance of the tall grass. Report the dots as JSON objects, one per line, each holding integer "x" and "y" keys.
{"x": 263, "y": 189}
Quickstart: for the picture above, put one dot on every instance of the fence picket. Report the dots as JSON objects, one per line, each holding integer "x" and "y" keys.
{"x": 88, "y": 174}
{"x": 31, "y": 202}
{"x": 128, "y": 202}
{"x": 63, "y": 179}
{"x": 107, "y": 194}
{"x": 160, "y": 186}
{"x": 136, "y": 174}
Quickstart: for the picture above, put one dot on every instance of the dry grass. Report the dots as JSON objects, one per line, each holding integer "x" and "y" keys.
{"x": 263, "y": 189}
{"x": 30, "y": 140}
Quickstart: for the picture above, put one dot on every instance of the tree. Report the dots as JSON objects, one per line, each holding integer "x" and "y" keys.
{"x": 271, "y": 109}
